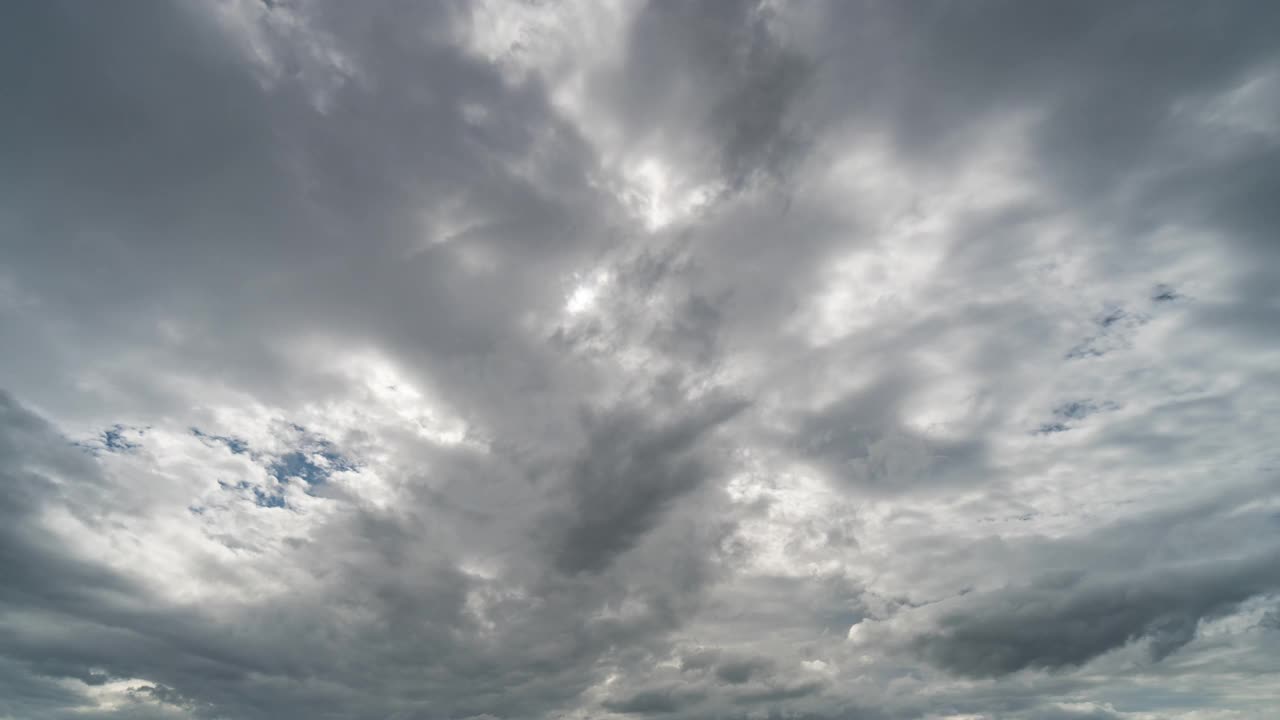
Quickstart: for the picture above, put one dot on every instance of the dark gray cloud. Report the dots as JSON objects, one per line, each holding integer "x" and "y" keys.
{"x": 737, "y": 672}
{"x": 627, "y": 477}
{"x": 1059, "y": 622}
{"x": 719, "y": 69}
{"x": 727, "y": 359}
{"x": 780, "y": 692}
{"x": 1083, "y": 713}
{"x": 651, "y": 702}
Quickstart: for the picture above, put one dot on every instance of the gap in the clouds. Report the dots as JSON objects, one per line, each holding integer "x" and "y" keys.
{"x": 312, "y": 459}
{"x": 113, "y": 439}
{"x": 305, "y": 466}
{"x": 118, "y": 438}
{"x": 261, "y": 498}
{"x": 313, "y": 462}
{"x": 1116, "y": 328}
{"x": 234, "y": 444}
{"x": 1068, "y": 415}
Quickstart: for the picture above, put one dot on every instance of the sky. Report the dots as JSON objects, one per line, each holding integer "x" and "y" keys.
{"x": 609, "y": 360}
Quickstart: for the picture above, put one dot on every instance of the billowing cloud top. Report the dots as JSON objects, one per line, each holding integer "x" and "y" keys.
{"x": 590, "y": 360}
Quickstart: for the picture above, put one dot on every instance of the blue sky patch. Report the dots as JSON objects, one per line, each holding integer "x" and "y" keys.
{"x": 234, "y": 444}
{"x": 115, "y": 439}
{"x": 260, "y": 497}
{"x": 268, "y": 500}
{"x": 1068, "y": 414}
{"x": 313, "y": 462}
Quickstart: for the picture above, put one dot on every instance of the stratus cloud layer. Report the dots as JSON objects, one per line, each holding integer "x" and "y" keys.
{"x": 600, "y": 360}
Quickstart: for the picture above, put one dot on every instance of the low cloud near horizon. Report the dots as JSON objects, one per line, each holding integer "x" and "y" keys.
{"x": 600, "y": 360}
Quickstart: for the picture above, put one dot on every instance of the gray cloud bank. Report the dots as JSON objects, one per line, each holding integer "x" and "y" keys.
{"x": 879, "y": 360}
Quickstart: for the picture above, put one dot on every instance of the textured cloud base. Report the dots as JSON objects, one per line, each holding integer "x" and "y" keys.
{"x": 576, "y": 360}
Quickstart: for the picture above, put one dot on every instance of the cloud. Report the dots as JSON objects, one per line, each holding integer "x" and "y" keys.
{"x": 1056, "y": 623}
{"x": 737, "y": 672}
{"x": 627, "y": 477}
{"x": 649, "y": 702}
{"x": 577, "y": 360}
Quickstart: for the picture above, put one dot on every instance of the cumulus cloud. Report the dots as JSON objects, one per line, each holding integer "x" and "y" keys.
{"x": 626, "y": 359}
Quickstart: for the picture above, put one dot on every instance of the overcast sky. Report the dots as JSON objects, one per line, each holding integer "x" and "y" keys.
{"x": 601, "y": 360}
